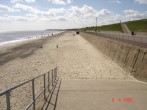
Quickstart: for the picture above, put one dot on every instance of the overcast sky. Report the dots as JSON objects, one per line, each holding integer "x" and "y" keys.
{"x": 18, "y": 15}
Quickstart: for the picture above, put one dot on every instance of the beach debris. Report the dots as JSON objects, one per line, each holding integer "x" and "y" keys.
{"x": 2, "y": 62}
{"x": 57, "y": 46}
{"x": 77, "y": 32}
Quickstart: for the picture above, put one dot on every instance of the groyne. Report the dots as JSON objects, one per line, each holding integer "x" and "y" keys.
{"x": 131, "y": 58}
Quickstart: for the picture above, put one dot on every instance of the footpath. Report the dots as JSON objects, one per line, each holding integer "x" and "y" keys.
{"x": 99, "y": 95}
{"x": 91, "y": 81}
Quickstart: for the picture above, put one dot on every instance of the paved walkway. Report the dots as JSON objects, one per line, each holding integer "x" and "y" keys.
{"x": 91, "y": 80}
{"x": 92, "y": 90}
{"x": 98, "y": 94}
{"x": 125, "y": 28}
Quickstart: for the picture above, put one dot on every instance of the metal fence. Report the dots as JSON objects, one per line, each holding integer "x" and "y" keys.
{"x": 127, "y": 37}
{"x": 50, "y": 76}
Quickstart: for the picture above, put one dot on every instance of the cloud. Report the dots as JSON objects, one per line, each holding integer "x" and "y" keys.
{"x": 61, "y": 19}
{"x": 4, "y": 8}
{"x": 88, "y": 11}
{"x": 16, "y": 1}
{"x": 74, "y": 14}
{"x": 55, "y": 11}
{"x": 8, "y": 18}
{"x": 61, "y": 2}
{"x": 115, "y": 1}
{"x": 86, "y": 15}
{"x": 141, "y": 1}
{"x": 28, "y": 1}
{"x": 104, "y": 12}
{"x": 69, "y": 17}
{"x": 133, "y": 14}
{"x": 81, "y": 11}
{"x": 130, "y": 11}
{"x": 41, "y": 13}
{"x": 27, "y": 8}
{"x": 32, "y": 10}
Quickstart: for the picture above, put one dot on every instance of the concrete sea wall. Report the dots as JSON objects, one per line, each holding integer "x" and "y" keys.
{"x": 132, "y": 58}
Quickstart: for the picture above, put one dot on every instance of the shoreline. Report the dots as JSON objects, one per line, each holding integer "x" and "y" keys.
{"x": 31, "y": 44}
{"x": 29, "y": 38}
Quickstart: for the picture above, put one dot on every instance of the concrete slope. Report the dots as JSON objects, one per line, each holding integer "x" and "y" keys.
{"x": 125, "y": 28}
{"x": 131, "y": 58}
{"x": 99, "y": 94}
{"x": 79, "y": 59}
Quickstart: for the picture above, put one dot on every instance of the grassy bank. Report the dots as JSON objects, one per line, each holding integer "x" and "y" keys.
{"x": 112, "y": 27}
{"x": 138, "y": 25}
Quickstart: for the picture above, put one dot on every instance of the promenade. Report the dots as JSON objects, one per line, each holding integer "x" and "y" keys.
{"x": 98, "y": 95}
{"x": 90, "y": 80}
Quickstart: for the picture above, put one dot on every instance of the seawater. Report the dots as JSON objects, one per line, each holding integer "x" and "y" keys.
{"x": 6, "y": 37}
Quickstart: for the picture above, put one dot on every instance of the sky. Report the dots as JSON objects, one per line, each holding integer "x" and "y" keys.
{"x": 22, "y": 15}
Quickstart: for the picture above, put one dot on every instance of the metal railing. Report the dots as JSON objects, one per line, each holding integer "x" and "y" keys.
{"x": 136, "y": 38}
{"x": 51, "y": 79}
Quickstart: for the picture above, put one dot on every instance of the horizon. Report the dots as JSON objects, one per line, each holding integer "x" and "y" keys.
{"x": 30, "y": 15}
{"x": 31, "y": 30}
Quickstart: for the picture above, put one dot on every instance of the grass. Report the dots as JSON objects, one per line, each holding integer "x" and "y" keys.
{"x": 112, "y": 27}
{"x": 138, "y": 25}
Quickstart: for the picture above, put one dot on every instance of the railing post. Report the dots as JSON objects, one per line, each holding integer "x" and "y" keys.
{"x": 8, "y": 100}
{"x": 44, "y": 87}
{"x": 56, "y": 73}
{"x": 52, "y": 78}
{"x": 33, "y": 94}
{"x": 49, "y": 81}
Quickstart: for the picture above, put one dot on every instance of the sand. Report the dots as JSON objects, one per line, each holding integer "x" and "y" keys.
{"x": 75, "y": 58}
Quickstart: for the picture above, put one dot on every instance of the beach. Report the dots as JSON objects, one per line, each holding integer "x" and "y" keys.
{"x": 75, "y": 58}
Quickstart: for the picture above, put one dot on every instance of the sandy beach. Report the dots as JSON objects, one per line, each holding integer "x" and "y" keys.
{"x": 75, "y": 58}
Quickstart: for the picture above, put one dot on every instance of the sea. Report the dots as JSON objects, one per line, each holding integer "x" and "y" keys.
{"x": 9, "y": 37}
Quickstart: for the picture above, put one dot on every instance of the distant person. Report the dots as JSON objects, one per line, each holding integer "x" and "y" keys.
{"x": 133, "y": 33}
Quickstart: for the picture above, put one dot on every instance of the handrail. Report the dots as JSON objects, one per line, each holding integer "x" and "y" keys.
{"x": 136, "y": 38}
{"x": 51, "y": 81}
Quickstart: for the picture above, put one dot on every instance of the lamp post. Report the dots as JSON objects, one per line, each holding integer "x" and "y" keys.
{"x": 129, "y": 15}
{"x": 96, "y": 25}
